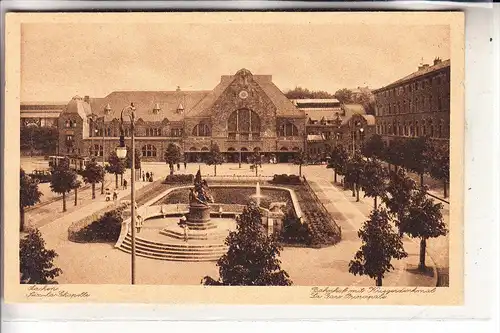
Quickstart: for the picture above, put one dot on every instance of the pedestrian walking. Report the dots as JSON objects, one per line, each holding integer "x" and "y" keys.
{"x": 147, "y": 175}
{"x": 125, "y": 184}
{"x": 185, "y": 165}
{"x": 115, "y": 194}
{"x": 178, "y": 166}
{"x": 143, "y": 176}
{"x": 186, "y": 232}
{"x": 163, "y": 210}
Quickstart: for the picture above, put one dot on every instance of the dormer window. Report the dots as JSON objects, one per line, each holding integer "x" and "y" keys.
{"x": 180, "y": 108}
{"x": 107, "y": 109}
{"x": 156, "y": 108}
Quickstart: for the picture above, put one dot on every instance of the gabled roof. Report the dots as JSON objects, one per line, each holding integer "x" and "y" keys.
{"x": 145, "y": 101}
{"x": 201, "y": 108}
{"x": 78, "y": 106}
{"x": 284, "y": 107}
{"x": 350, "y": 110}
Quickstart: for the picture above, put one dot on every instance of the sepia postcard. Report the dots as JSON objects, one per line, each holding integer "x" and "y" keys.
{"x": 234, "y": 158}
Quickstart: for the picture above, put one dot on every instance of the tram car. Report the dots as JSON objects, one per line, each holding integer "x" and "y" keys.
{"x": 76, "y": 163}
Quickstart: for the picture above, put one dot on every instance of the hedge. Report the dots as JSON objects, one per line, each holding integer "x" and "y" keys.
{"x": 173, "y": 179}
{"x": 286, "y": 179}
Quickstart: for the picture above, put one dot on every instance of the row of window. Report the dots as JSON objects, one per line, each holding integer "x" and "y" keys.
{"x": 108, "y": 132}
{"x": 424, "y": 128}
{"x": 428, "y": 83}
{"x": 70, "y": 123}
{"x": 428, "y": 103}
{"x": 147, "y": 150}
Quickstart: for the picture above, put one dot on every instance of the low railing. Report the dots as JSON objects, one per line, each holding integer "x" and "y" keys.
{"x": 336, "y": 228}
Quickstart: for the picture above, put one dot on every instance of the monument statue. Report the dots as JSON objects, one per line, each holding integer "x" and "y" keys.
{"x": 199, "y": 208}
{"x": 200, "y": 194}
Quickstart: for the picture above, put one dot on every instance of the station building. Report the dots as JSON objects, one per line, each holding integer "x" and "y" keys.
{"x": 243, "y": 114}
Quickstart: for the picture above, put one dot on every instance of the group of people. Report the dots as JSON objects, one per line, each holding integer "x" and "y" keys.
{"x": 147, "y": 176}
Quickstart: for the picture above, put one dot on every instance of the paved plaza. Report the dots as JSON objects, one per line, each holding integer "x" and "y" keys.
{"x": 99, "y": 263}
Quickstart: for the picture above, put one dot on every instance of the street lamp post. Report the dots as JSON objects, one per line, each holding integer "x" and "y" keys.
{"x": 361, "y": 136}
{"x": 121, "y": 152}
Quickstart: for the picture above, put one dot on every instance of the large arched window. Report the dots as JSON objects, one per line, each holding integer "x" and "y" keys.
{"x": 148, "y": 151}
{"x": 243, "y": 124}
{"x": 288, "y": 129}
{"x": 201, "y": 130}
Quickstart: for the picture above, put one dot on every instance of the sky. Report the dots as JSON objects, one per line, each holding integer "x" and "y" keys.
{"x": 61, "y": 60}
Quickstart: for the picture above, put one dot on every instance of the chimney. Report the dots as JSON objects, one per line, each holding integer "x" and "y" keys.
{"x": 86, "y": 99}
{"x": 437, "y": 61}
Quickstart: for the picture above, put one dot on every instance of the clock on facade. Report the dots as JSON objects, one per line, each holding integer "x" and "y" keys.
{"x": 243, "y": 94}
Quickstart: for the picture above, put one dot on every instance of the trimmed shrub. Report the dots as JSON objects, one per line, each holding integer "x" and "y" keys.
{"x": 105, "y": 229}
{"x": 286, "y": 179}
{"x": 295, "y": 232}
{"x": 175, "y": 179}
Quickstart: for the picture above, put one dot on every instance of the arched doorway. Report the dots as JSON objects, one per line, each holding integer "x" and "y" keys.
{"x": 284, "y": 155}
{"x": 232, "y": 155}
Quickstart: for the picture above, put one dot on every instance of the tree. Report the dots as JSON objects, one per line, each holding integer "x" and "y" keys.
{"x": 29, "y": 195}
{"x": 115, "y": 165}
{"x": 338, "y": 160}
{"x": 252, "y": 257}
{"x": 423, "y": 219}
{"x": 304, "y": 93}
{"x": 399, "y": 193}
{"x": 344, "y": 96}
{"x": 374, "y": 180}
{"x": 36, "y": 262}
{"x": 300, "y": 159}
{"x": 354, "y": 173}
{"x": 76, "y": 185}
{"x": 394, "y": 152}
{"x": 380, "y": 244}
{"x": 417, "y": 156}
{"x": 43, "y": 139}
{"x": 214, "y": 157}
{"x": 440, "y": 165}
{"x": 366, "y": 98}
{"x": 93, "y": 173}
{"x": 63, "y": 180}
{"x": 172, "y": 156}
{"x": 374, "y": 147}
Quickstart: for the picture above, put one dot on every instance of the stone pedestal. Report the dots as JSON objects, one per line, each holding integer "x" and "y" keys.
{"x": 199, "y": 218}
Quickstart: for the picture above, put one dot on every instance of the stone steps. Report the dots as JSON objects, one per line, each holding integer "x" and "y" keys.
{"x": 174, "y": 252}
{"x": 194, "y": 236}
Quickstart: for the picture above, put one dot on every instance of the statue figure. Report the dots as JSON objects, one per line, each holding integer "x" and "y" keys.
{"x": 199, "y": 194}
